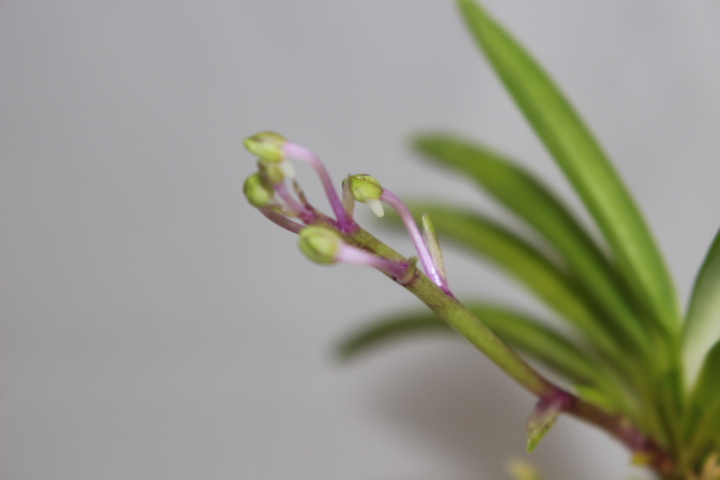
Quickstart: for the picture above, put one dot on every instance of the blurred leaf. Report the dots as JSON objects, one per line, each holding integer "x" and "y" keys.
{"x": 702, "y": 421}
{"x": 525, "y": 195}
{"x": 526, "y": 334}
{"x": 541, "y": 421}
{"x": 705, "y": 434}
{"x": 702, "y": 328}
{"x": 387, "y": 330}
{"x": 583, "y": 162}
{"x": 708, "y": 385}
{"x": 541, "y": 342}
{"x": 600, "y": 398}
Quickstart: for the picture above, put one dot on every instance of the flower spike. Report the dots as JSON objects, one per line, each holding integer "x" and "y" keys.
{"x": 293, "y": 150}
{"x": 273, "y": 149}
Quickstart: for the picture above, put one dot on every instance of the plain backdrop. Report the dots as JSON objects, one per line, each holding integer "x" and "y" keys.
{"x": 154, "y": 326}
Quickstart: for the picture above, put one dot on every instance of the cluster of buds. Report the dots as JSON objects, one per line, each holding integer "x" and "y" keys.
{"x": 330, "y": 239}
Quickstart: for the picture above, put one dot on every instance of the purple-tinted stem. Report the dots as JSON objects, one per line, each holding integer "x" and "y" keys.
{"x": 291, "y": 203}
{"x": 558, "y": 397}
{"x": 281, "y": 220}
{"x": 423, "y": 252}
{"x": 306, "y": 215}
{"x": 358, "y": 256}
{"x": 299, "y": 152}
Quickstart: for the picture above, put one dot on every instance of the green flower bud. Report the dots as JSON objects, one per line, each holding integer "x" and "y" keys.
{"x": 257, "y": 192}
{"x": 273, "y": 173}
{"x": 267, "y": 145}
{"x": 367, "y": 189}
{"x": 320, "y": 244}
{"x": 364, "y": 187}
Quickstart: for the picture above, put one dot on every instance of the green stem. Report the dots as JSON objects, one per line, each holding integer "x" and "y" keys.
{"x": 464, "y": 322}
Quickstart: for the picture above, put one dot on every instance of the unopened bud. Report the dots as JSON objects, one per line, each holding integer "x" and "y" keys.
{"x": 367, "y": 189}
{"x": 257, "y": 191}
{"x": 268, "y": 146}
{"x": 272, "y": 172}
{"x": 321, "y": 244}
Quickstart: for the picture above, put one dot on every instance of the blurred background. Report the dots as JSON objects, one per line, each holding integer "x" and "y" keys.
{"x": 156, "y": 326}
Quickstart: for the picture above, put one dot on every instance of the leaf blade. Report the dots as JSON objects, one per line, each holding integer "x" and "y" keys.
{"x": 582, "y": 160}
{"x": 702, "y": 420}
{"x": 390, "y": 329}
{"x": 702, "y": 327}
{"x": 522, "y": 332}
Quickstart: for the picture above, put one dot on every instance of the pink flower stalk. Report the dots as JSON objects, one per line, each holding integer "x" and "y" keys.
{"x": 293, "y": 150}
{"x": 306, "y": 214}
{"x": 426, "y": 258}
{"x": 358, "y": 256}
{"x": 281, "y": 220}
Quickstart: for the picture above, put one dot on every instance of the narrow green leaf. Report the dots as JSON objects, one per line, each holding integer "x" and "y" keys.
{"x": 701, "y": 422}
{"x": 526, "y": 196}
{"x": 707, "y": 388}
{"x": 528, "y": 335}
{"x": 390, "y": 329}
{"x": 525, "y": 263}
{"x": 599, "y": 398}
{"x": 552, "y": 349}
{"x": 702, "y": 328}
{"x": 705, "y": 435}
{"x": 583, "y": 162}
{"x": 541, "y": 421}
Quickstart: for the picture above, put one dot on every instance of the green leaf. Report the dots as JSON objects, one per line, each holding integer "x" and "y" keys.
{"x": 707, "y": 388}
{"x": 702, "y": 328}
{"x": 582, "y": 160}
{"x": 390, "y": 329}
{"x": 541, "y": 421}
{"x": 701, "y": 424}
{"x": 705, "y": 434}
{"x": 523, "y": 262}
{"x": 539, "y": 341}
{"x": 525, "y": 195}
{"x": 526, "y": 334}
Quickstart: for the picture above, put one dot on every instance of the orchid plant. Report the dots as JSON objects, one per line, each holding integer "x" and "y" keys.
{"x": 631, "y": 364}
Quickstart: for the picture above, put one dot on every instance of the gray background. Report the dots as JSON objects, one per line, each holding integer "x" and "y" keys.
{"x": 155, "y": 326}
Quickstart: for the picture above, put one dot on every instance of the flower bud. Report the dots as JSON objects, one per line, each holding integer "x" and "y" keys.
{"x": 257, "y": 192}
{"x": 321, "y": 244}
{"x": 268, "y": 146}
{"x": 273, "y": 173}
{"x": 367, "y": 189}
